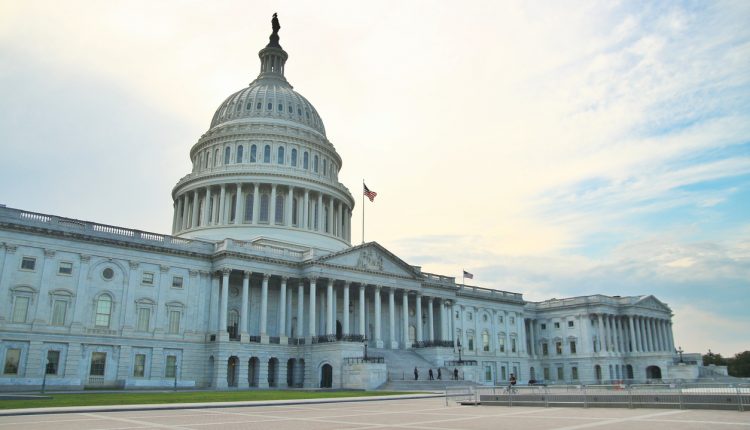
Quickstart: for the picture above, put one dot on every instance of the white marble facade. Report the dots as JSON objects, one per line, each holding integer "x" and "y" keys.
{"x": 259, "y": 286}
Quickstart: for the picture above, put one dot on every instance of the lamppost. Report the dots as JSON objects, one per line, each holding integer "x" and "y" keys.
{"x": 460, "y": 361}
{"x": 680, "y": 351}
{"x": 44, "y": 376}
{"x": 364, "y": 342}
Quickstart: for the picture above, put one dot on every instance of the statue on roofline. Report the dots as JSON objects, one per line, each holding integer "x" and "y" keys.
{"x": 275, "y": 24}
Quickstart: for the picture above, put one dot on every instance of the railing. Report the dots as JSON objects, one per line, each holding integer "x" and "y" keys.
{"x": 488, "y": 293}
{"x": 677, "y": 396}
{"x": 254, "y": 339}
{"x": 296, "y": 341}
{"x": 454, "y": 363}
{"x": 353, "y": 338}
{"x": 433, "y": 344}
{"x": 324, "y": 338}
{"x": 360, "y": 360}
{"x": 96, "y": 380}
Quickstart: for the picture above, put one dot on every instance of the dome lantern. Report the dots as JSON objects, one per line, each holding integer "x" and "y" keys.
{"x": 273, "y": 57}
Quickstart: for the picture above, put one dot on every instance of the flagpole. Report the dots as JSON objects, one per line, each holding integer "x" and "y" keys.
{"x": 363, "y": 211}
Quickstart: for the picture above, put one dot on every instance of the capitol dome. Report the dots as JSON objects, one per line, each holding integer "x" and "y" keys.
{"x": 265, "y": 172}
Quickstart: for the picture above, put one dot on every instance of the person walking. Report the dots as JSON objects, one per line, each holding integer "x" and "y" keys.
{"x": 455, "y": 373}
{"x": 430, "y": 375}
{"x": 416, "y": 374}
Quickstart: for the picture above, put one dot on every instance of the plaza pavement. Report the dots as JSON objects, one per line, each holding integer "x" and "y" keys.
{"x": 405, "y": 413}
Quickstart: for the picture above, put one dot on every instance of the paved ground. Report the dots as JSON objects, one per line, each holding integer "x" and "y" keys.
{"x": 426, "y": 414}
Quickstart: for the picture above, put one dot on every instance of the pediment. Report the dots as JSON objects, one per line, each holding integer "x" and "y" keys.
{"x": 370, "y": 257}
{"x": 652, "y": 302}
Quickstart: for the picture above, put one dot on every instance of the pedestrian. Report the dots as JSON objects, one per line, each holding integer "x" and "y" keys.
{"x": 416, "y": 374}
{"x": 455, "y": 374}
{"x": 430, "y": 374}
{"x": 439, "y": 375}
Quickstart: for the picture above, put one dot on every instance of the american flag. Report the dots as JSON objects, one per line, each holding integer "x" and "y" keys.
{"x": 370, "y": 194}
{"x": 468, "y": 275}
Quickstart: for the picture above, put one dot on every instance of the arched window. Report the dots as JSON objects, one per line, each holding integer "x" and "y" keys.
{"x": 280, "y": 155}
{"x": 205, "y": 160}
{"x": 227, "y": 153}
{"x": 279, "y": 215}
{"x": 315, "y": 164}
{"x": 216, "y": 158}
{"x": 305, "y": 160}
{"x": 267, "y": 154}
{"x": 485, "y": 341}
{"x": 264, "y": 198}
{"x": 239, "y": 154}
{"x": 325, "y": 167}
{"x": 280, "y": 107}
{"x": 253, "y": 153}
{"x": 248, "y": 207}
{"x": 103, "y": 311}
{"x": 294, "y": 157}
{"x": 270, "y": 106}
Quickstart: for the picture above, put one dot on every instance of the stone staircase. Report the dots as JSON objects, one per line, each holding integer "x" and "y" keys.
{"x": 400, "y": 364}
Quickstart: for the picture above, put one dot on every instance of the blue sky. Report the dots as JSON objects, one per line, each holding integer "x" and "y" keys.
{"x": 551, "y": 148}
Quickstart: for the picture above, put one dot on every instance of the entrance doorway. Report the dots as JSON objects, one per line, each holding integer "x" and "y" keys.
{"x": 653, "y": 372}
{"x": 326, "y": 376}
{"x": 232, "y": 369}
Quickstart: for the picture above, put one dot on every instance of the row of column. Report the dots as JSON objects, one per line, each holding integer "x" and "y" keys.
{"x": 618, "y": 334}
{"x": 193, "y": 208}
{"x": 221, "y": 297}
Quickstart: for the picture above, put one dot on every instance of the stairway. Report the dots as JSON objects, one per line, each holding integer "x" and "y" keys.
{"x": 400, "y": 364}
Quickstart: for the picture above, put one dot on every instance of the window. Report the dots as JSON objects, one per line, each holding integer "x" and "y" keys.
{"x": 485, "y": 341}
{"x": 574, "y": 373}
{"x": 545, "y": 349}
{"x": 205, "y": 159}
{"x": 500, "y": 319}
{"x": 170, "y": 371}
{"x": 177, "y": 282}
{"x": 227, "y": 153}
{"x": 325, "y": 167}
{"x": 279, "y": 215}
{"x": 249, "y": 207}
{"x": 53, "y": 362}
{"x": 264, "y": 198}
{"x": 65, "y": 268}
{"x": 20, "y": 309}
{"x": 280, "y": 155}
{"x": 501, "y": 343}
{"x": 98, "y": 363}
{"x": 28, "y": 263}
{"x": 148, "y": 278}
{"x": 485, "y": 318}
{"x": 546, "y": 373}
{"x": 557, "y": 325}
{"x": 544, "y": 326}
{"x": 469, "y": 316}
{"x": 12, "y": 359}
{"x": 253, "y": 153}
{"x": 216, "y": 157}
{"x": 512, "y": 320}
{"x": 294, "y": 212}
{"x": 280, "y": 107}
{"x": 259, "y": 106}
{"x": 488, "y": 373}
{"x": 144, "y": 319}
{"x": 108, "y": 273}
{"x": 240, "y": 150}
{"x": 294, "y": 157}
{"x": 558, "y": 348}
{"x": 174, "y": 322}
{"x": 267, "y": 154}
{"x": 103, "y": 311}
{"x": 305, "y": 160}
{"x": 139, "y": 365}
{"x": 513, "y": 345}
{"x": 315, "y": 164}
{"x": 572, "y": 347}
{"x": 290, "y": 109}
{"x": 59, "y": 309}
{"x": 471, "y": 342}
{"x": 560, "y": 376}
{"x": 270, "y": 106}
{"x": 571, "y": 324}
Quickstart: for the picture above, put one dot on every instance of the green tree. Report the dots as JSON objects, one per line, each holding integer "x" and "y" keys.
{"x": 712, "y": 358}
{"x": 739, "y": 365}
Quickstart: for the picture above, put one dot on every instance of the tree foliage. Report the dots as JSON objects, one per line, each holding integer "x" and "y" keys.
{"x": 738, "y": 366}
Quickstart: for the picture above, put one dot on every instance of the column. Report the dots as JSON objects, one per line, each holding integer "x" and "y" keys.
{"x": 312, "y": 321}
{"x": 179, "y": 214}
{"x": 659, "y": 335}
{"x": 300, "y": 308}
{"x": 392, "y": 318}
{"x": 289, "y": 205}
{"x": 418, "y": 313}
{"x": 224, "y": 303}
{"x": 243, "y": 313}
{"x": 194, "y": 216}
{"x": 329, "y": 218}
{"x": 600, "y": 321}
{"x": 175, "y": 215}
{"x": 206, "y": 199}
{"x": 256, "y": 202}
{"x": 264, "y": 306}
{"x": 647, "y": 330}
{"x": 282, "y": 307}
{"x": 637, "y": 333}
{"x": 532, "y": 335}
{"x": 362, "y": 309}
{"x": 378, "y": 316}
{"x": 329, "y": 308}
{"x": 670, "y": 335}
{"x": 405, "y": 314}
{"x": 345, "y": 310}
{"x": 222, "y": 205}
{"x": 239, "y": 211}
{"x": 633, "y": 342}
{"x": 306, "y": 211}
{"x": 215, "y": 308}
{"x": 431, "y": 319}
{"x": 272, "y": 206}
{"x": 320, "y": 212}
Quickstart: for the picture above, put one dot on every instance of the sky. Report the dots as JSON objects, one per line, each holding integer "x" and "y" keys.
{"x": 554, "y": 149}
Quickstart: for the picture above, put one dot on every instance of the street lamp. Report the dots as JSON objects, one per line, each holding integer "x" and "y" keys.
{"x": 680, "y": 351}
{"x": 364, "y": 342}
{"x": 459, "y": 353}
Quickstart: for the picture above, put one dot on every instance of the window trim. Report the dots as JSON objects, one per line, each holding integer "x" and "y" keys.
{"x": 28, "y": 258}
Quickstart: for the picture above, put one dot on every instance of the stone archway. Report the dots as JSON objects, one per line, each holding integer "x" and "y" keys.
{"x": 629, "y": 371}
{"x": 326, "y": 376}
{"x": 598, "y": 373}
{"x": 653, "y": 372}
{"x": 232, "y": 369}
{"x": 253, "y": 372}
{"x": 290, "y": 365}
{"x": 273, "y": 372}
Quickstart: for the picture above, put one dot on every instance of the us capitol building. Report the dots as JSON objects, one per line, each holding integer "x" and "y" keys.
{"x": 260, "y": 286}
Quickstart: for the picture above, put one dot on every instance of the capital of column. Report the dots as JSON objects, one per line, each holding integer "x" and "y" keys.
{"x": 225, "y": 271}
{"x": 266, "y": 276}
{"x": 246, "y": 274}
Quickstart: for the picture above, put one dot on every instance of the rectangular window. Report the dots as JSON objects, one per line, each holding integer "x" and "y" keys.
{"x": 59, "y": 308}
{"x": 543, "y": 326}
{"x": 501, "y": 343}
{"x": 20, "y": 309}
{"x": 177, "y": 282}
{"x": 53, "y": 362}
{"x": 560, "y": 376}
{"x": 144, "y": 319}
{"x": 513, "y": 345}
{"x": 503, "y": 373}
{"x": 572, "y": 347}
{"x": 546, "y": 373}
{"x": 170, "y": 371}
{"x": 65, "y": 268}
{"x": 28, "y": 263}
{"x": 574, "y": 373}
{"x": 174, "y": 321}
{"x": 487, "y": 373}
{"x": 512, "y": 320}
{"x": 558, "y": 348}
{"x": 545, "y": 349}
{"x": 471, "y": 343}
{"x": 98, "y": 363}
{"x": 12, "y": 358}
{"x": 557, "y": 325}
{"x": 500, "y": 319}
{"x": 148, "y": 278}
{"x": 571, "y": 324}
{"x": 139, "y": 365}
